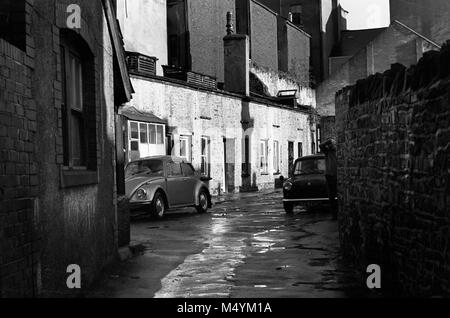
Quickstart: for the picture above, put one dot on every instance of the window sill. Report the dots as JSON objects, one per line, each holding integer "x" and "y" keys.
{"x": 77, "y": 178}
{"x": 265, "y": 173}
{"x": 277, "y": 173}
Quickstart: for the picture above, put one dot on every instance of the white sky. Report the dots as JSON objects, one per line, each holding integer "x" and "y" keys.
{"x": 367, "y": 14}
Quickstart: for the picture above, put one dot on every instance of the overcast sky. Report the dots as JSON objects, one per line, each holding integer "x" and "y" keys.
{"x": 367, "y": 14}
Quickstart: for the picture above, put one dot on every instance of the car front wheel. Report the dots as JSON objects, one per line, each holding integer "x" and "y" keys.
{"x": 203, "y": 202}
{"x": 288, "y": 207}
{"x": 158, "y": 206}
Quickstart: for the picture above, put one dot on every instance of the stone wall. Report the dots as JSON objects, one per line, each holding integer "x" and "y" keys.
{"x": 394, "y": 181}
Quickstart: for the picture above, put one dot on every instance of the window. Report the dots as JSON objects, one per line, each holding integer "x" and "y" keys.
{"x": 75, "y": 154}
{"x": 134, "y": 136}
{"x": 319, "y": 138}
{"x": 143, "y": 133}
{"x": 300, "y": 149}
{"x": 264, "y": 166}
{"x": 152, "y": 134}
{"x": 175, "y": 170}
{"x": 205, "y": 156}
{"x": 149, "y": 167}
{"x": 276, "y": 157}
{"x": 296, "y": 11}
{"x": 310, "y": 166}
{"x": 185, "y": 148}
{"x": 78, "y": 108}
{"x": 159, "y": 135}
{"x": 13, "y": 22}
{"x": 188, "y": 170}
{"x": 78, "y": 111}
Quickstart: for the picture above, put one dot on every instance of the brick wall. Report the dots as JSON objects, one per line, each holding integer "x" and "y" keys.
{"x": 293, "y": 51}
{"x": 46, "y": 224}
{"x": 18, "y": 175}
{"x": 394, "y": 181}
{"x": 207, "y": 21}
{"x": 263, "y": 38}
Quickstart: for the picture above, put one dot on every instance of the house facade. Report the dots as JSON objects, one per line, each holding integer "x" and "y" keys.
{"x": 62, "y": 79}
{"x": 242, "y": 139}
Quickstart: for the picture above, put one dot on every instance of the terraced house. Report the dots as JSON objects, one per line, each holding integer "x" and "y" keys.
{"x": 233, "y": 97}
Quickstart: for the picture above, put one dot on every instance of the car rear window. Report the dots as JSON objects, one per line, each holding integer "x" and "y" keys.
{"x": 309, "y": 166}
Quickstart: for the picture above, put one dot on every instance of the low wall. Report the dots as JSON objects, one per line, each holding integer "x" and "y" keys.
{"x": 394, "y": 173}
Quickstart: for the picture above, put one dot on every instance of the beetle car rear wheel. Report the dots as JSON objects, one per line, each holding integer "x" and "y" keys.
{"x": 158, "y": 206}
{"x": 203, "y": 202}
{"x": 288, "y": 207}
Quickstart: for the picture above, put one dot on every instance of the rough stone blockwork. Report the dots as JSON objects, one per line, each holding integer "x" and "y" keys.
{"x": 394, "y": 173}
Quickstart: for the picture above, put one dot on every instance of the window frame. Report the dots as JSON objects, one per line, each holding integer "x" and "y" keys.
{"x": 85, "y": 172}
{"x": 205, "y": 168}
{"x": 187, "y": 139}
{"x": 276, "y": 157}
{"x": 264, "y": 153}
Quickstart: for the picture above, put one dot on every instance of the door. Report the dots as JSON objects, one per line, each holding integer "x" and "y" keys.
{"x": 229, "y": 146}
{"x": 291, "y": 157}
{"x": 190, "y": 181}
{"x": 176, "y": 185}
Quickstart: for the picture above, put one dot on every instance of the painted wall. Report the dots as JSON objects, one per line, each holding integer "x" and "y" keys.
{"x": 275, "y": 82}
{"x": 197, "y": 113}
{"x": 144, "y": 28}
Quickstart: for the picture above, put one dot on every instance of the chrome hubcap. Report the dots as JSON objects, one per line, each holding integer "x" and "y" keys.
{"x": 159, "y": 207}
{"x": 203, "y": 201}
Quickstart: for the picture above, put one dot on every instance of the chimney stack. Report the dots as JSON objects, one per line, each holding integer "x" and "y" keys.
{"x": 237, "y": 59}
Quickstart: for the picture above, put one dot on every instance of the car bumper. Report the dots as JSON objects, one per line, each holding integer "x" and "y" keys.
{"x": 306, "y": 200}
{"x": 139, "y": 205}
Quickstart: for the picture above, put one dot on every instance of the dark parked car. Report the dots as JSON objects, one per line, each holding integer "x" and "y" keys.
{"x": 161, "y": 183}
{"x": 308, "y": 186}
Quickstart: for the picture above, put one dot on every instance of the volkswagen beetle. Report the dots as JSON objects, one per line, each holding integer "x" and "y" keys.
{"x": 308, "y": 185}
{"x": 158, "y": 184}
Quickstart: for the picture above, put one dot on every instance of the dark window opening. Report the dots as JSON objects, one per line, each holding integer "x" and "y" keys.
{"x": 178, "y": 34}
{"x": 13, "y": 22}
{"x": 300, "y": 149}
{"x": 296, "y": 12}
